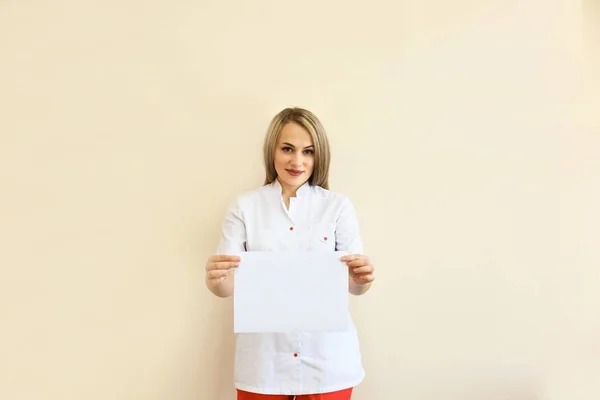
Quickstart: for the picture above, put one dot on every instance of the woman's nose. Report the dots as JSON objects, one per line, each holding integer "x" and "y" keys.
{"x": 297, "y": 160}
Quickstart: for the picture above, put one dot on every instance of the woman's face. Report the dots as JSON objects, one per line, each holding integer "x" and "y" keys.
{"x": 294, "y": 156}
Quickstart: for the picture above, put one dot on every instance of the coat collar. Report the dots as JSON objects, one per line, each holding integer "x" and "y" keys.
{"x": 301, "y": 192}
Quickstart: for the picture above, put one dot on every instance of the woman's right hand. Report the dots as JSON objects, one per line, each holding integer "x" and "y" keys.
{"x": 218, "y": 268}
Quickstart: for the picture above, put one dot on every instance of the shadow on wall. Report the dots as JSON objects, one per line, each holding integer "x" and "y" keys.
{"x": 219, "y": 346}
{"x": 202, "y": 367}
{"x": 591, "y": 20}
{"x": 213, "y": 345}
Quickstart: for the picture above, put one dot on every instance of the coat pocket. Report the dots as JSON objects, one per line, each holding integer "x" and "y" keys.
{"x": 322, "y": 237}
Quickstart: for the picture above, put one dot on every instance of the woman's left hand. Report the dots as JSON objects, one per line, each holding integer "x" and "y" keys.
{"x": 360, "y": 268}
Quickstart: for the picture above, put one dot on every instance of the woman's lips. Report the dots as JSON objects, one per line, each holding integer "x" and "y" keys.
{"x": 294, "y": 172}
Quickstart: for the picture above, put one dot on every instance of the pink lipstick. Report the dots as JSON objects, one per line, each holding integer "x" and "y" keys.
{"x": 294, "y": 172}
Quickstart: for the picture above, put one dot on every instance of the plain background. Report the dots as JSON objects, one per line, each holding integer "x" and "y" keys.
{"x": 466, "y": 133}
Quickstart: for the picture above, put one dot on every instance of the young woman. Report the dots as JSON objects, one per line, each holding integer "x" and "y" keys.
{"x": 294, "y": 210}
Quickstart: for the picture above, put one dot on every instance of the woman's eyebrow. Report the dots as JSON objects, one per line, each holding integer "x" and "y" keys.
{"x": 291, "y": 145}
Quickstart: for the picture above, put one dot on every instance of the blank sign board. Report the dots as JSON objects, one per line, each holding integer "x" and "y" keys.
{"x": 291, "y": 292}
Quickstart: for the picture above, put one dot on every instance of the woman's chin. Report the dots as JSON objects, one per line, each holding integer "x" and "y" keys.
{"x": 293, "y": 181}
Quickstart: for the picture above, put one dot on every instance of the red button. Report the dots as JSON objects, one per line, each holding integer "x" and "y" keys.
{"x": 291, "y": 228}
{"x": 325, "y": 238}
{"x": 295, "y": 354}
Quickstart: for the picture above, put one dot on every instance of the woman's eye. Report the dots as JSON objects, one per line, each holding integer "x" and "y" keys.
{"x": 309, "y": 151}
{"x": 287, "y": 149}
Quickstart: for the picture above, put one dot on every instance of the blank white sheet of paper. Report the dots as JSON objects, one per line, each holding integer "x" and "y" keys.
{"x": 290, "y": 292}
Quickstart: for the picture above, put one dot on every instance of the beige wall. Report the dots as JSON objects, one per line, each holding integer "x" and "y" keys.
{"x": 466, "y": 133}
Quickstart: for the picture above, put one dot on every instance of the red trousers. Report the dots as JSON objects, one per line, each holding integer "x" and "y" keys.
{"x": 339, "y": 395}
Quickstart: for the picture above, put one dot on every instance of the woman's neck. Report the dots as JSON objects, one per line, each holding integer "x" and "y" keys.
{"x": 287, "y": 191}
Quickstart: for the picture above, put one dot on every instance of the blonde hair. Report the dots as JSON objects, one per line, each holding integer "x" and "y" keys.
{"x": 310, "y": 122}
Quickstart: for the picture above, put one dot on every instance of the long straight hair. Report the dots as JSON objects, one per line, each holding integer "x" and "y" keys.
{"x": 310, "y": 122}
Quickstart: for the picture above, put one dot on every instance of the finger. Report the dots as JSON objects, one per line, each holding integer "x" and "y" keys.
{"x": 350, "y": 257}
{"x": 364, "y": 279}
{"x": 363, "y": 270}
{"x": 216, "y": 274}
{"x": 358, "y": 263}
{"x": 223, "y": 265}
{"x": 357, "y": 258}
{"x": 224, "y": 257}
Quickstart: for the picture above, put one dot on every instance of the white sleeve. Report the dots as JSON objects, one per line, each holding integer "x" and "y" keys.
{"x": 347, "y": 233}
{"x": 233, "y": 231}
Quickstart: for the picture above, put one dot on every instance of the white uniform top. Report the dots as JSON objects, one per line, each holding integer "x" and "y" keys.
{"x": 294, "y": 363}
